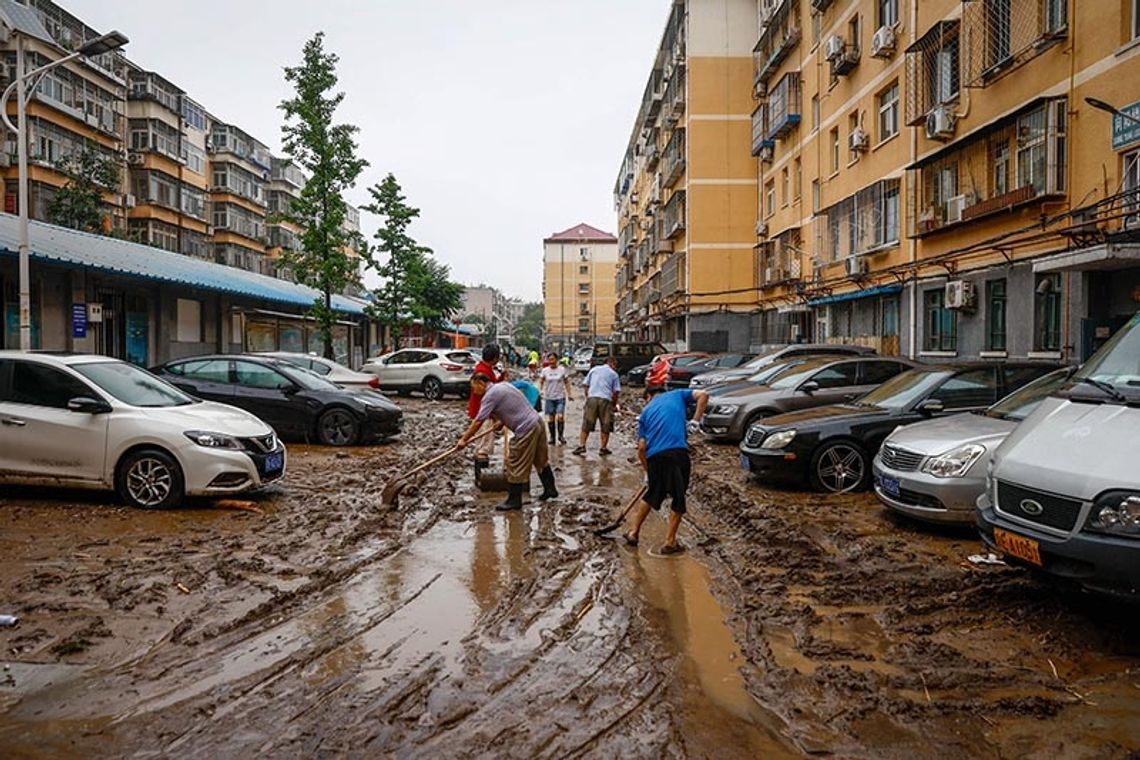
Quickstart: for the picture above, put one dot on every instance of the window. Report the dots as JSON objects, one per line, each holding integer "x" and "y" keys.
{"x": 584, "y": 269}
{"x": 798, "y": 179}
{"x": 941, "y": 323}
{"x": 189, "y": 321}
{"x": 888, "y": 101}
{"x": 209, "y": 370}
{"x": 815, "y": 196}
{"x": 852, "y": 125}
{"x": 584, "y": 288}
{"x": 584, "y": 254}
{"x": 1130, "y": 183}
{"x": 888, "y": 12}
{"x": 784, "y": 187}
{"x": 583, "y": 307}
{"x": 815, "y": 110}
{"x": 995, "y": 315}
{"x": 1000, "y": 161}
{"x": 584, "y": 325}
{"x": 876, "y": 372}
{"x": 253, "y": 375}
{"x": 37, "y": 385}
{"x": 998, "y": 13}
{"x": 887, "y": 231}
{"x": 854, "y": 32}
{"x": 1056, "y": 15}
{"x": 891, "y": 315}
{"x": 770, "y": 197}
{"x": 1031, "y": 150}
{"x": 816, "y": 24}
{"x": 1047, "y": 313}
{"x": 968, "y": 390}
{"x": 839, "y": 376}
{"x": 835, "y": 150}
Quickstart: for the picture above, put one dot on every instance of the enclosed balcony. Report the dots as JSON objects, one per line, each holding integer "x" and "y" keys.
{"x": 673, "y": 162}
{"x": 761, "y": 145}
{"x": 778, "y": 39}
{"x": 672, "y": 221}
{"x": 784, "y": 106}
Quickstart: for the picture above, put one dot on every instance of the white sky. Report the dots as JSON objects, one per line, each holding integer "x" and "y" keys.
{"x": 503, "y": 120}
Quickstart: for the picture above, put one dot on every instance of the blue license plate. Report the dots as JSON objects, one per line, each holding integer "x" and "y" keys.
{"x": 745, "y": 463}
{"x": 889, "y": 485}
{"x": 275, "y": 462}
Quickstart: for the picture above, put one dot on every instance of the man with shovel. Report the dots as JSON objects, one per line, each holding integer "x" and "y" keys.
{"x": 486, "y": 366}
{"x": 508, "y": 407}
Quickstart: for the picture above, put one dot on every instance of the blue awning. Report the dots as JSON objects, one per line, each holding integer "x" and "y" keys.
{"x": 855, "y": 295}
{"x": 61, "y": 245}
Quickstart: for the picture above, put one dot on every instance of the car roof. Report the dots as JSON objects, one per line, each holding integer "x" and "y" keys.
{"x": 967, "y": 364}
{"x": 57, "y": 358}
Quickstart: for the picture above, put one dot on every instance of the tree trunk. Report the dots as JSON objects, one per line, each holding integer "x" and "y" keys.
{"x": 326, "y": 328}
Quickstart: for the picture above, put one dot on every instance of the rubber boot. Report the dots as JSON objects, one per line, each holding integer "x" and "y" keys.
{"x": 562, "y": 432}
{"x": 514, "y": 497}
{"x": 550, "y": 427}
{"x": 548, "y": 489}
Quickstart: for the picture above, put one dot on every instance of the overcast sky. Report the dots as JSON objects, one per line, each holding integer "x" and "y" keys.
{"x": 503, "y": 120}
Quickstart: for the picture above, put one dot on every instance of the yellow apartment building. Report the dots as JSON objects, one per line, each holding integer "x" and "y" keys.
{"x": 686, "y": 192}
{"x": 933, "y": 181}
{"x": 578, "y": 273}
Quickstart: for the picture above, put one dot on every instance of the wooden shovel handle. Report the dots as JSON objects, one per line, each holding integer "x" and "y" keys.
{"x": 439, "y": 458}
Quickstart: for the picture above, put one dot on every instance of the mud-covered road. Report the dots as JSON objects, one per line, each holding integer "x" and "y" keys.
{"x": 312, "y": 622}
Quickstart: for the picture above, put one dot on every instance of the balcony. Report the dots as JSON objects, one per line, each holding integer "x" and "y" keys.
{"x": 761, "y": 145}
{"x": 778, "y": 39}
{"x": 784, "y": 106}
{"x": 673, "y": 275}
{"x": 674, "y": 159}
{"x": 1008, "y": 34}
{"x": 672, "y": 222}
{"x": 673, "y": 105}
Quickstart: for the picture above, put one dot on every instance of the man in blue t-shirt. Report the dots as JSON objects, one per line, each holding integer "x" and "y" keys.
{"x": 663, "y": 448}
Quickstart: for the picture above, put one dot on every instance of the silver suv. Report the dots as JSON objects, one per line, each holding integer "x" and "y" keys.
{"x": 431, "y": 371}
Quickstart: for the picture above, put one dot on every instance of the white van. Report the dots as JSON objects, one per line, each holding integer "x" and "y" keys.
{"x": 1063, "y": 492}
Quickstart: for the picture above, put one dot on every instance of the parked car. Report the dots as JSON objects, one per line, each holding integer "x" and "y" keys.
{"x": 776, "y": 354}
{"x": 431, "y": 371}
{"x": 1063, "y": 496}
{"x": 762, "y": 376}
{"x": 629, "y": 355}
{"x": 637, "y": 376}
{"x": 93, "y": 422}
{"x": 293, "y": 401}
{"x": 582, "y": 357}
{"x": 666, "y": 363}
{"x": 935, "y": 470}
{"x": 682, "y": 377}
{"x": 815, "y": 382}
{"x": 330, "y": 370}
{"x": 830, "y": 447}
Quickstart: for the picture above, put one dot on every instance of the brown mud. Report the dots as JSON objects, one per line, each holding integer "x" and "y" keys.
{"x": 324, "y": 624}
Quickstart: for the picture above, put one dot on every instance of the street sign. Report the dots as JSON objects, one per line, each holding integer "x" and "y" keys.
{"x": 94, "y": 312}
{"x": 79, "y": 320}
{"x": 1125, "y": 131}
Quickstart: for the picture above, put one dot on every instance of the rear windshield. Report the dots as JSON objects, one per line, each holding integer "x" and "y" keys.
{"x": 132, "y": 385}
{"x": 903, "y": 390}
{"x": 461, "y": 357}
{"x": 1116, "y": 364}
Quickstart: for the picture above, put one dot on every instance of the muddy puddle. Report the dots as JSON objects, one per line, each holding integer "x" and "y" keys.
{"x": 320, "y": 624}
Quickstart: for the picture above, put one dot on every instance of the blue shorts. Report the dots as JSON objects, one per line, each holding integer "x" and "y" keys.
{"x": 554, "y": 406}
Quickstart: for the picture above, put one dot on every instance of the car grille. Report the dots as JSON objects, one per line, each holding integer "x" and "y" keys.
{"x": 900, "y": 459}
{"x": 262, "y": 444}
{"x": 1056, "y": 511}
{"x": 755, "y": 437}
{"x": 916, "y": 499}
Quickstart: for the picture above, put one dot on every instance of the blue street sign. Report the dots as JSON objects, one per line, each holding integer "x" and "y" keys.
{"x": 1126, "y": 132}
{"x": 79, "y": 320}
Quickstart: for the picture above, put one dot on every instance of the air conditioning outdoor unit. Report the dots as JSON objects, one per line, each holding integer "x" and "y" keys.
{"x": 960, "y": 294}
{"x": 768, "y": 272}
{"x": 767, "y": 153}
{"x": 129, "y": 201}
{"x": 883, "y": 42}
{"x": 954, "y": 208}
{"x": 856, "y": 266}
{"x": 940, "y": 123}
{"x": 761, "y": 229}
{"x": 135, "y": 158}
{"x": 833, "y": 47}
{"x": 759, "y": 90}
{"x": 859, "y": 139}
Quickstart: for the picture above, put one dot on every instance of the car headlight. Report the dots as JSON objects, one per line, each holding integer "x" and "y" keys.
{"x": 213, "y": 440}
{"x": 1116, "y": 512}
{"x": 778, "y": 440}
{"x": 725, "y": 409}
{"x": 708, "y": 379}
{"x": 954, "y": 464}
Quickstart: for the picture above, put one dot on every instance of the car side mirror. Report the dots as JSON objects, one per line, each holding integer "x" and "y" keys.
{"x": 88, "y": 405}
{"x": 290, "y": 390}
{"x": 930, "y": 406}
{"x": 811, "y": 386}
{"x": 851, "y": 397}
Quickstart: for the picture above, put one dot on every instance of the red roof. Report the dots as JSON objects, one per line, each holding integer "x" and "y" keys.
{"x": 581, "y": 232}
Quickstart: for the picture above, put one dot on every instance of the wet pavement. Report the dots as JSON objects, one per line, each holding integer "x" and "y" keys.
{"x": 318, "y": 622}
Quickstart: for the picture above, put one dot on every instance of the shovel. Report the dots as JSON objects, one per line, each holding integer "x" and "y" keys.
{"x": 495, "y": 480}
{"x": 390, "y": 496}
{"x": 621, "y": 519}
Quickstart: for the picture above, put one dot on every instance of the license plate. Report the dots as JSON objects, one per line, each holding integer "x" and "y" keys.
{"x": 1018, "y": 546}
{"x": 274, "y": 462}
{"x": 469, "y": 371}
{"x": 745, "y": 463}
{"x": 889, "y": 485}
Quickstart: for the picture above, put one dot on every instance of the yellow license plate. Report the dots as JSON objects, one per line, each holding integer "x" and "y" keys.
{"x": 1018, "y": 546}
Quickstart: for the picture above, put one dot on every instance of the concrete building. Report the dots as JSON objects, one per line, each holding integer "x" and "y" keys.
{"x": 686, "y": 192}
{"x": 578, "y": 286}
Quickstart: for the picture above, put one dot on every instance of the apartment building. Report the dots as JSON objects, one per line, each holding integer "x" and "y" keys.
{"x": 580, "y": 265}
{"x": 933, "y": 181}
{"x": 686, "y": 193}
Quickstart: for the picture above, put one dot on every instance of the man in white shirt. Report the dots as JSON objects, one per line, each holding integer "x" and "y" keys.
{"x": 554, "y": 382}
{"x": 603, "y": 388}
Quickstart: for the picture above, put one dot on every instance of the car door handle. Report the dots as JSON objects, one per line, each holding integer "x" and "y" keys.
{"x": 13, "y": 422}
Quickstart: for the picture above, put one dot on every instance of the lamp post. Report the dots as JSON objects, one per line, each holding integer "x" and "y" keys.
{"x": 1101, "y": 105}
{"x": 98, "y": 46}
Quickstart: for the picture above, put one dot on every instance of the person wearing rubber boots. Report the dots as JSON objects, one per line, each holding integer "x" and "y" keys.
{"x": 663, "y": 449}
{"x": 554, "y": 381}
{"x": 507, "y": 407}
{"x": 486, "y": 366}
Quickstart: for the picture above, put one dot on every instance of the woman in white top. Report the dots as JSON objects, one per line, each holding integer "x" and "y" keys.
{"x": 554, "y": 382}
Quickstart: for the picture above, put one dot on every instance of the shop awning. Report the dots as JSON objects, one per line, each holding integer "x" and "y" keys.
{"x": 61, "y": 245}
{"x": 1099, "y": 257}
{"x": 855, "y": 295}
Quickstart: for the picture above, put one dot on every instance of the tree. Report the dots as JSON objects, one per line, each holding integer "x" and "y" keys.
{"x": 436, "y": 297}
{"x": 326, "y": 152}
{"x": 79, "y": 203}
{"x": 528, "y": 330}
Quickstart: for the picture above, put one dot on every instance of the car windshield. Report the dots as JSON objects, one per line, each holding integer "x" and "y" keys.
{"x": 310, "y": 381}
{"x": 762, "y": 359}
{"x": 132, "y": 385}
{"x": 1020, "y": 404}
{"x": 903, "y": 390}
{"x": 794, "y": 374}
{"x": 773, "y": 370}
{"x": 684, "y": 361}
{"x": 1116, "y": 366}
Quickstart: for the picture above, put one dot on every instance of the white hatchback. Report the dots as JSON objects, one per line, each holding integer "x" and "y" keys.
{"x": 85, "y": 421}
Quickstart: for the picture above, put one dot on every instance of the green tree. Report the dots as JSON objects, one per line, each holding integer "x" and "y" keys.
{"x": 394, "y": 301}
{"x": 79, "y": 203}
{"x": 326, "y": 152}
{"x": 528, "y": 330}
{"x": 436, "y": 297}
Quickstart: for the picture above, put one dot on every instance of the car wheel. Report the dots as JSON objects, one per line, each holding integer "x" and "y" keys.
{"x": 150, "y": 479}
{"x": 337, "y": 427}
{"x": 433, "y": 388}
{"x": 839, "y": 467}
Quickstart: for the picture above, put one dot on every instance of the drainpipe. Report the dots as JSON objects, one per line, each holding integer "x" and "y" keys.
{"x": 912, "y": 338}
{"x": 1070, "y": 279}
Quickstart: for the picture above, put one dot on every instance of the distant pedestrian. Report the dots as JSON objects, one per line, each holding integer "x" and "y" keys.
{"x": 554, "y": 380}
{"x": 507, "y": 407}
{"x": 603, "y": 389}
{"x": 663, "y": 450}
{"x": 485, "y": 367}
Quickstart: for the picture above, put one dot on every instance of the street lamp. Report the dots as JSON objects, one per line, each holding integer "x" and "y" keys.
{"x": 103, "y": 44}
{"x": 1101, "y": 105}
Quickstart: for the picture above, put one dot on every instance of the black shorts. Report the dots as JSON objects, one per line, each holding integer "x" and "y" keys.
{"x": 669, "y": 474}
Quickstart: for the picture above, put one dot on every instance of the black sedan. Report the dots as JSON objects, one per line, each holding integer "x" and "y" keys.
{"x": 831, "y": 447}
{"x": 294, "y": 402}
{"x": 681, "y": 375}
{"x": 636, "y": 376}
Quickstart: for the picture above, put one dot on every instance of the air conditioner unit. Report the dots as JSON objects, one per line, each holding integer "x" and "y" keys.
{"x": 646, "y": 224}
{"x": 767, "y": 153}
{"x": 92, "y": 119}
{"x": 209, "y": 143}
{"x": 135, "y": 158}
{"x": 883, "y": 42}
{"x": 960, "y": 294}
{"x": 855, "y": 265}
{"x": 833, "y": 47}
{"x": 954, "y": 208}
{"x": 759, "y": 90}
{"x": 859, "y": 139}
{"x": 940, "y": 123}
{"x": 130, "y": 201}
{"x": 761, "y": 229}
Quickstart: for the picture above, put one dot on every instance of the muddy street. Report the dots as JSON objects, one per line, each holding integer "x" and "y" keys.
{"x": 311, "y": 621}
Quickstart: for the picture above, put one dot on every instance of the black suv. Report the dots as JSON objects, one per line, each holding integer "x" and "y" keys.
{"x": 629, "y": 355}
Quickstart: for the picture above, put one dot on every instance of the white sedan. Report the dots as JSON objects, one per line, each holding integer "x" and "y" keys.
{"x": 85, "y": 421}
{"x": 330, "y": 370}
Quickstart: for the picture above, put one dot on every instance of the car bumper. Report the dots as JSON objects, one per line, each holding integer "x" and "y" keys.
{"x": 722, "y": 427}
{"x": 218, "y": 472}
{"x": 382, "y": 424}
{"x": 777, "y": 465}
{"x": 925, "y": 497}
{"x": 1100, "y": 563}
